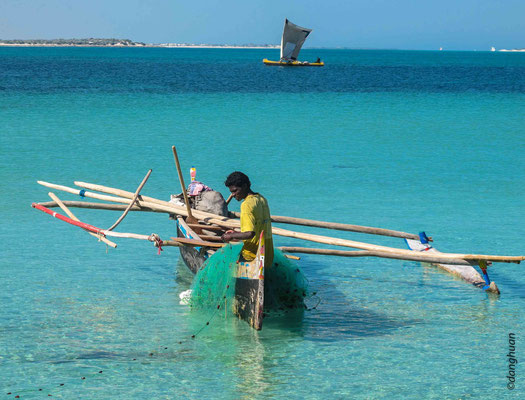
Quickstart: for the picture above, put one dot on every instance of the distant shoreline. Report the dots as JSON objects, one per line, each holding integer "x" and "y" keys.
{"x": 144, "y": 46}
{"x": 124, "y": 43}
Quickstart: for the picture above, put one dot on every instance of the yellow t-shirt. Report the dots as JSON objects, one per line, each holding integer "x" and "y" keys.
{"x": 255, "y": 217}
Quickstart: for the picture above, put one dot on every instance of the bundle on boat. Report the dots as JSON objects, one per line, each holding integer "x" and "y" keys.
{"x": 198, "y": 237}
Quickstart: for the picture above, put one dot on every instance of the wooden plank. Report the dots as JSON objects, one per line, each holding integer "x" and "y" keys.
{"x": 211, "y": 238}
{"x": 207, "y": 227}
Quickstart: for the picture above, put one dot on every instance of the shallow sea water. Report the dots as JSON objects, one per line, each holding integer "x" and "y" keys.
{"x": 410, "y": 141}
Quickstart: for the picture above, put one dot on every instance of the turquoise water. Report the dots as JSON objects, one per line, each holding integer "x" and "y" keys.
{"x": 411, "y": 141}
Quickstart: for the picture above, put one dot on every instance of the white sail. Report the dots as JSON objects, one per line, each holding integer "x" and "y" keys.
{"x": 292, "y": 40}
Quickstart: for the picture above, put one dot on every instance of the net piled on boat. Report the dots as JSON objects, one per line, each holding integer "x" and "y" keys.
{"x": 285, "y": 286}
{"x": 214, "y": 284}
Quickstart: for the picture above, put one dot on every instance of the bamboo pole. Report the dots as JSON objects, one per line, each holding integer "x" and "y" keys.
{"x": 446, "y": 257}
{"x": 231, "y": 223}
{"x": 230, "y": 197}
{"x": 339, "y": 226}
{"x": 163, "y": 205}
{"x": 118, "y": 221}
{"x": 84, "y": 193}
{"x": 226, "y": 221}
{"x": 100, "y": 206}
{"x": 169, "y": 208}
{"x": 366, "y": 253}
{"x": 73, "y": 217}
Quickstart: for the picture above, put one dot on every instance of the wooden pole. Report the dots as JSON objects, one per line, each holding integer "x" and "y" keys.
{"x": 94, "y": 229}
{"x": 84, "y": 193}
{"x": 338, "y": 226}
{"x": 366, "y": 253}
{"x": 234, "y": 223}
{"x": 73, "y": 217}
{"x": 445, "y": 257}
{"x": 163, "y": 207}
{"x": 230, "y": 197}
{"x": 100, "y": 206}
{"x": 118, "y": 221}
{"x": 123, "y": 195}
{"x": 190, "y": 219}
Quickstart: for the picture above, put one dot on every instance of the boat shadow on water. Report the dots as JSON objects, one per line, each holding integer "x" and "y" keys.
{"x": 327, "y": 316}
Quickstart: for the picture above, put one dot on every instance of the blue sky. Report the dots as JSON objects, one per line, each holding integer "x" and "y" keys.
{"x": 383, "y": 24}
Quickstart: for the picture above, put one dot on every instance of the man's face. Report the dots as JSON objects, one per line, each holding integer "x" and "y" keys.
{"x": 239, "y": 192}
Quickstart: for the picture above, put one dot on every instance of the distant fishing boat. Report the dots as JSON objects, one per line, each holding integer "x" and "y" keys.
{"x": 291, "y": 43}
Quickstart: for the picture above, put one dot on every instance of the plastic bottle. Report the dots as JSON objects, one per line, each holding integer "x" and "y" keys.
{"x": 193, "y": 173}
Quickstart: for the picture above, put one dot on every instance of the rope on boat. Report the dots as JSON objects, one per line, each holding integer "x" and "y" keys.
{"x": 157, "y": 241}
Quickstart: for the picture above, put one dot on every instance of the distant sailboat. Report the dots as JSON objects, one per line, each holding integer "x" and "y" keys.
{"x": 291, "y": 43}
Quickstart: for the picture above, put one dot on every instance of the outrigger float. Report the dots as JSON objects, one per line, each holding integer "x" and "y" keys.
{"x": 199, "y": 237}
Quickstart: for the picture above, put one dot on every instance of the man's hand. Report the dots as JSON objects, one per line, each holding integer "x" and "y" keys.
{"x": 227, "y": 236}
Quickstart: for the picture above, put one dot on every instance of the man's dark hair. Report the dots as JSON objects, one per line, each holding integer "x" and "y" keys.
{"x": 237, "y": 179}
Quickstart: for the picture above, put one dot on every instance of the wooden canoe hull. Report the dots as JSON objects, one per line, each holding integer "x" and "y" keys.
{"x": 293, "y": 63}
{"x": 248, "y": 302}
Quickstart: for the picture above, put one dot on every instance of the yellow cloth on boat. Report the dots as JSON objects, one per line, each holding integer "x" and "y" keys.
{"x": 255, "y": 217}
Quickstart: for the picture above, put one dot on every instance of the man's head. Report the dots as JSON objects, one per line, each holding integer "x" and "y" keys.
{"x": 239, "y": 185}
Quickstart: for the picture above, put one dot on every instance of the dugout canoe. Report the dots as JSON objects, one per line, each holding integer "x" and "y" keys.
{"x": 248, "y": 303}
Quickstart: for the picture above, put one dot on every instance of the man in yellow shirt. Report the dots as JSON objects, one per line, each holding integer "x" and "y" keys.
{"x": 255, "y": 218}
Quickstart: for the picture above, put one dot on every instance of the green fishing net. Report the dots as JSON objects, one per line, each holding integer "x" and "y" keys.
{"x": 285, "y": 286}
{"x": 214, "y": 284}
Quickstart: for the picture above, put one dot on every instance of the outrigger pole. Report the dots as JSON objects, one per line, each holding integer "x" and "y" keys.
{"x": 73, "y": 217}
{"x": 152, "y": 203}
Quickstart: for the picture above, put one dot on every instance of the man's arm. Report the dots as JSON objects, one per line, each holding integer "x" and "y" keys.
{"x": 231, "y": 235}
